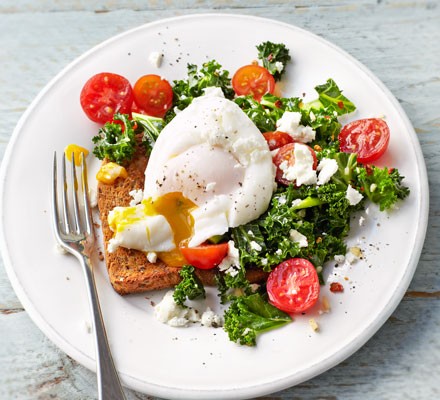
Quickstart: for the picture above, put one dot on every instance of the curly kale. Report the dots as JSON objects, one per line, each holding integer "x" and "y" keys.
{"x": 209, "y": 75}
{"x": 115, "y": 141}
{"x": 150, "y": 128}
{"x": 249, "y": 316}
{"x": 190, "y": 287}
{"x": 274, "y": 56}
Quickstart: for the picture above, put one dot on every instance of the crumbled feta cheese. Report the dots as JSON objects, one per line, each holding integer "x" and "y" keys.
{"x": 298, "y": 237}
{"x": 312, "y": 116}
{"x": 353, "y": 196}
{"x": 168, "y": 312}
{"x": 296, "y": 202}
{"x": 211, "y": 319}
{"x": 339, "y": 258}
{"x": 230, "y": 264}
{"x": 290, "y": 123}
{"x": 282, "y": 200}
{"x": 137, "y": 196}
{"x": 327, "y": 167}
{"x": 264, "y": 261}
{"x": 373, "y": 187}
{"x": 155, "y": 59}
{"x": 255, "y": 246}
{"x": 361, "y": 221}
{"x": 278, "y": 252}
{"x": 152, "y": 257}
{"x": 279, "y": 66}
{"x": 301, "y": 171}
{"x": 93, "y": 198}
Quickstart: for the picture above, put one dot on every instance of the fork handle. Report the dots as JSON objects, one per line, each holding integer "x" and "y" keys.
{"x": 109, "y": 385}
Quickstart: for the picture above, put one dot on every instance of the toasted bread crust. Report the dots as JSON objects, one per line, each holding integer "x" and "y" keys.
{"x": 129, "y": 270}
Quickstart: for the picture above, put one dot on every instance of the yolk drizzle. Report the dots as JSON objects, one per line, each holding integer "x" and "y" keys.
{"x": 177, "y": 210}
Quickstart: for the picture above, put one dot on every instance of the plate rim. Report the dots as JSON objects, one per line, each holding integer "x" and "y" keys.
{"x": 248, "y": 391}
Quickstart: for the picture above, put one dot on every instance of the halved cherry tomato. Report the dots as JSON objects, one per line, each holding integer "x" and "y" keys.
{"x": 253, "y": 80}
{"x": 293, "y": 286}
{"x": 105, "y": 94}
{"x": 368, "y": 138}
{"x": 205, "y": 256}
{"x": 277, "y": 139}
{"x": 153, "y": 95}
{"x": 286, "y": 153}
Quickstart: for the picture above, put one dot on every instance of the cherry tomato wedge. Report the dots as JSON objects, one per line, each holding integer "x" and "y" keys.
{"x": 253, "y": 80}
{"x": 104, "y": 95}
{"x": 205, "y": 256}
{"x": 277, "y": 139}
{"x": 368, "y": 138}
{"x": 293, "y": 286}
{"x": 287, "y": 153}
{"x": 153, "y": 95}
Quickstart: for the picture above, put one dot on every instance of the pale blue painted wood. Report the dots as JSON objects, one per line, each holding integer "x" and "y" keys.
{"x": 398, "y": 41}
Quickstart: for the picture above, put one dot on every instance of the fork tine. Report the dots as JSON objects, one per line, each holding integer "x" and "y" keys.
{"x": 76, "y": 217}
{"x": 55, "y": 196}
{"x": 64, "y": 197}
{"x": 85, "y": 189}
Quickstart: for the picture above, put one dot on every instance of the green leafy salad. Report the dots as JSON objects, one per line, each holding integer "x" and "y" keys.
{"x": 325, "y": 173}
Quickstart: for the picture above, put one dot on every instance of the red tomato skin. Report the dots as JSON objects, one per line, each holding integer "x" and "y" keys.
{"x": 104, "y": 95}
{"x": 287, "y": 153}
{"x": 153, "y": 95}
{"x": 277, "y": 139}
{"x": 205, "y": 256}
{"x": 369, "y": 138}
{"x": 253, "y": 80}
{"x": 293, "y": 286}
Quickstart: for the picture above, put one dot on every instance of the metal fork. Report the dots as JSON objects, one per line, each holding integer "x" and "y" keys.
{"x": 73, "y": 227}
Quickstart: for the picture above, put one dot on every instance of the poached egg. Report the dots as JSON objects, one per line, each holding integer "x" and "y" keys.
{"x": 210, "y": 170}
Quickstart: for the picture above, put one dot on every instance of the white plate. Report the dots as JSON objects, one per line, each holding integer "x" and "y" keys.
{"x": 196, "y": 362}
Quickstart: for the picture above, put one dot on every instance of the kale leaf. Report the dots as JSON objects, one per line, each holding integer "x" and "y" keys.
{"x": 190, "y": 287}
{"x": 209, "y": 75}
{"x": 274, "y": 56}
{"x": 331, "y": 98}
{"x": 248, "y": 316}
{"x": 150, "y": 127}
{"x": 115, "y": 141}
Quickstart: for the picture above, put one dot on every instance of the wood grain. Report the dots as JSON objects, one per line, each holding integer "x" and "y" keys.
{"x": 398, "y": 40}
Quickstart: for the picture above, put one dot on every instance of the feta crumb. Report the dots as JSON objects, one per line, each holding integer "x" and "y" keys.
{"x": 264, "y": 261}
{"x": 327, "y": 167}
{"x": 137, "y": 196}
{"x": 361, "y": 221}
{"x": 298, "y": 237}
{"x": 210, "y": 319}
{"x": 93, "y": 198}
{"x": 230, "y": 264}
{"x": 353, "y": 196}
{"x": 282, "y": 200}
{"x": 373, "y": 187}
{"x": 168, "y": 312}
{"x": 255, "y": 246}
{"x": 152, "y": 257}
{"x": 155, "y": 59}
{"x": 301, "y": 171}
{"x": 312, "y": 116}
{"x": 279, "y": 66}
{"x": 290, "y": 123}
{"x": 278, "y": 252}
{"x": 296, "y": 202}
{"x": 313, "y": 324}
{"x": 339, "y": 258}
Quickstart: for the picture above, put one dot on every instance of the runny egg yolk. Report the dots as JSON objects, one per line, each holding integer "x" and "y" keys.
{"x": 174, "y": 207}
{"x": 177, "y": 210}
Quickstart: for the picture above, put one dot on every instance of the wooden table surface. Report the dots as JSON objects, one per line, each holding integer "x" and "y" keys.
{"x": 398, "y": 40}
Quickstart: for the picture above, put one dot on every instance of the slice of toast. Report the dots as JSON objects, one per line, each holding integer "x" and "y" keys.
{"x": 129, "y": 270}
